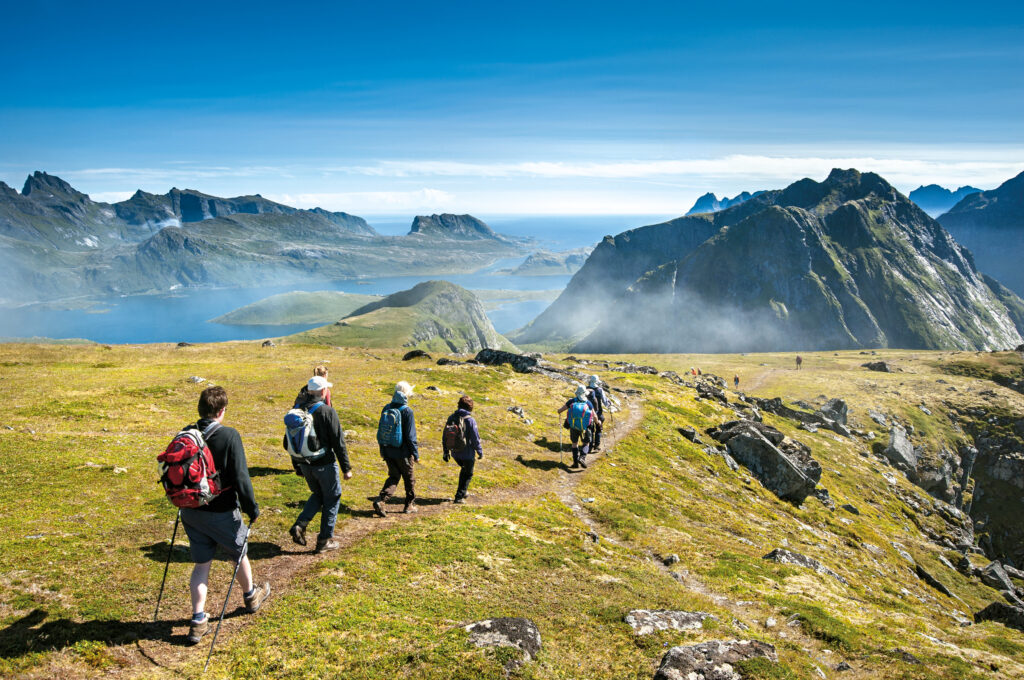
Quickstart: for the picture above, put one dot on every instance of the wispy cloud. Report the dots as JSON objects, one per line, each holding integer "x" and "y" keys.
{"x": 369, "y": 201}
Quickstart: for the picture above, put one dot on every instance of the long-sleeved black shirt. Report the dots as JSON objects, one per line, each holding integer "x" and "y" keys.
{"x": 229, "y": 458}
{"x": 409, "y": 447}
{"x": 330, "y": 436}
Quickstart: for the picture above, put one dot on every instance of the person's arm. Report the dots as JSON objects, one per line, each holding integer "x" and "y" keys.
{"x": 474, "y": 437}
{"x": 239, "y": 470}
{"x": 564, "y": 406}
{"x": 336, "y": 438}
{"x": 409, "y": 428}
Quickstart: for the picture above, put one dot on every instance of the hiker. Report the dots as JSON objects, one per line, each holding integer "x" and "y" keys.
{"x": 219, "y": 522}
{"x": 799, "y": 361}
{"x": 461, "y": 440}
{"x": 320, "y": 371}
{"x": 316, "y": 456}
{"x": 595, "y": 395}
{"x": 578, "y": 422}
{"x": 699, "y": 373}
{"x": 735, "y": 382}
{"x": 396, "y": 436}
{"x": 693, "y": 371}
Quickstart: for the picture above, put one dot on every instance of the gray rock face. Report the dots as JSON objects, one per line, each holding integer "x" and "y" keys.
{"x": 784, "y": 466}
{"x": 923, "y": 574}
{"x": 835, "y": 409}
{"x": 789, "y": 557}
{"x": 900, "y": 451}
{"x": 1005, "y": 614}
{"x": 495, "y": 357}
{"x": 522, "y": 634}
{"x": 996, "y": 577}
{"x": 646, "y": 621}
{"x": 711, "y": 660}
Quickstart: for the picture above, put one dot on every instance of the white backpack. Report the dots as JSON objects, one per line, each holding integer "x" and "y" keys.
{"x": 299, "y": 434}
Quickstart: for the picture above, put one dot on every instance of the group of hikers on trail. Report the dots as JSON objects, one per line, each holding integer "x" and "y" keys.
{"x": 205, "y": 474}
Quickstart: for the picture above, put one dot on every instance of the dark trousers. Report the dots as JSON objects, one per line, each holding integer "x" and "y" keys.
{"x": 399, "y": 468}
{"x": 324, "y": 483}
{"x": 465, "y": 474}
{"x": 598, "y": 427}
{"x": 580, "y": 444}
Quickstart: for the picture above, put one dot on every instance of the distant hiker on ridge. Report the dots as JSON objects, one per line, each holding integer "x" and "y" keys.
{"x": 799, "y": 361}
{"x": 316, "y": 443}
{"x": 396, "y": 436}
{"x": 219, "y": 522}
{"x": 736, "y": 382}
{"x": 595, "y": 395}
{"x": 578, "y": 421}
{"x": 461, "y": 440}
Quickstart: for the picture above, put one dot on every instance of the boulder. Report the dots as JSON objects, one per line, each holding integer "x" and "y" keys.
{"x": 646, "y": 621}
{"x": 184, "y": 344}
{"x": 445, "y": 361}
{"x": 689, "y": 433}
{"x": 835, "y": 409}
{"x": 269, "y": 343}
{"x": 518, "y": 633}
{"x": 852, "y": 509}
{"x": 415, "y": 354}
{"x": 711, "y": 660}
{"x": 996, "y": 577}
{"x": 783, "y": 556}
{"x": 1006, "y": 614}
{"x": 496, "y": 357}
{"x": 784, "y": 466}
{"x": 900, "y": 451}
{"x": 879, "y": 366}
{"x": 931, "y": 580}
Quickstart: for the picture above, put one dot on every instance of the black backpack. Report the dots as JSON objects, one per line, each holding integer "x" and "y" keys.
{"x": 454, "y": 436}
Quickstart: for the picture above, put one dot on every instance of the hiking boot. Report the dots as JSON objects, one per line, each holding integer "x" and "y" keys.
{"x": 378, "y": 507}
{"x": 298, "y": 534}
{"x": 255, "y": 601}
{"x": 323, "y": 545}
{"x": 196, "y": 631}
{"x": 459, "y": 500}
{"x": 410, "y": 508}
{"x": 583, "y": 462}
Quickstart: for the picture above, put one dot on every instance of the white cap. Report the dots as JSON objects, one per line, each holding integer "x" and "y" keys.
{"x": 317, "y": 384}
{"x": 581, "y": 392}
{"x": 594, "y": 381}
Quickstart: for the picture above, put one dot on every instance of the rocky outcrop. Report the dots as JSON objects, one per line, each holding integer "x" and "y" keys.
{"x": 1006, "y": 614}
{"x": 935, "y": 583}
{"x": 646, "y": 621}
{"x": 878, "y": 366}
{"x": 715, "y": 660}
{"x": 783, "y": 556}
{"x": 784, "y": 466}
{"x": 994, "y": 576}
{"x": 518, "y": 633}
{"x": 711, "y": 203}
{"x": 494, "y": 357}
{"x": 452, "y": 226}
{"x": 546, "y": 263}
{"x": 900, "y": 451}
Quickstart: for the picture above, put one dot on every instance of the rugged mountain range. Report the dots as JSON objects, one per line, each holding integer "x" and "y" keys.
{"x": 433, "y": 316}
{"x": 56, "y": 242}
{"x": 936, "y": 200}
{"x": 453, "y": 226}
{"x": 844, "y": 263}
{"x": 711, "y": 203}
{"x": 991, "y": 225}
{"x": 547, "y": 263}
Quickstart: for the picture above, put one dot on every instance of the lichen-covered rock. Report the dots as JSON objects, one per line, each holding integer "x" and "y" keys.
{"x": 646, "y": 621}
{"x": 522, "y": 634}
{"x": 900, "y": 451}
{"x": 713, "y": 660}
{"x": 1006, "y": 614}
{"x": 880, "y": 366}
{"x": 496, "y": 357}
{"x": 783, "y": 556}
{"x": 835, "y": 409}
{"x": 994, "y": 576}
{"x": 784, "y": 466}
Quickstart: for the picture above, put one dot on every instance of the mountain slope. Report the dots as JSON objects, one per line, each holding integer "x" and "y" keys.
{"x": 935, "y": 200}
{"x": 991, "y": 225}
{"x": 547, "y": 263}
{"x": 844, "y": 263}
{"x": 296, "y": 307}
{"x": 433, "y": 316}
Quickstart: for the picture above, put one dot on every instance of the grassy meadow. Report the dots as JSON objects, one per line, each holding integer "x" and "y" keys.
{"x": 84, "y": 529}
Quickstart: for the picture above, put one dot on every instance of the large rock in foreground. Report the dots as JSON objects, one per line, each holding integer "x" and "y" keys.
{"x": 784, "y": 466}
{"x": 713, "y": 660}
{"x": 521, "y": 634}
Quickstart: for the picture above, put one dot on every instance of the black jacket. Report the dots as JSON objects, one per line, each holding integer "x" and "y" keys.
{"x": 229, "y": 458}
{"x": 329, "y": 435}
{"x": 409, "y": 448}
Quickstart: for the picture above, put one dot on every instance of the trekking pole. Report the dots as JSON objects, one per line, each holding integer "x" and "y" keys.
{"x": 170, "y": 551}
{"x": 234, "y": 574}
{"x": 560, "y": 441}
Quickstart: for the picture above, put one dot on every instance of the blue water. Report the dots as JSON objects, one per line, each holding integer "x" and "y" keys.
{"x": 184, "y": 316}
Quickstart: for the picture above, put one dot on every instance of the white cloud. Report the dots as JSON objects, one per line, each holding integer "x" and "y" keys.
{"x": 111, "y": 196}
{"x": 370, "y": 201}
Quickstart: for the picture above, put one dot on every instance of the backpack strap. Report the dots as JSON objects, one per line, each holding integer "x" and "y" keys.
{"x": 312, "y": 409}
{"x": 210, "y": 429}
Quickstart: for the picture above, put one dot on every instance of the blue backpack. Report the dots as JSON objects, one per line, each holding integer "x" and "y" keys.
{"x": 579, "y": 415}
{"x": 389, "y": 429}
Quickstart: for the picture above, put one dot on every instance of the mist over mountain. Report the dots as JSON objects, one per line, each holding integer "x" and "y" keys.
{"x": 711, "y": 203}
{"x": 844, "y": 263}
{"x": 991, "y": 225}
{"x": 58, "y": 243}
{"x": 935, "y": 200}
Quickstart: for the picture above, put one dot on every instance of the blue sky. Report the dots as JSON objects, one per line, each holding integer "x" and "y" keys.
{"x": 627, "y": 108}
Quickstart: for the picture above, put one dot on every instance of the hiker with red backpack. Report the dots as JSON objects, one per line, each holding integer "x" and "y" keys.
{"x": 578, "y": 421}
{"x": 205, "y": 474}
{"x": 461, "y": 440}
{"x": 396, "y": 437}
{"x": 316, "y": 443}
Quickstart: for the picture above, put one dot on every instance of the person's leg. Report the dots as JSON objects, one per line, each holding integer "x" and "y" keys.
{"x": 409, "y": 480}
{"x": 197, "y": 587}
{"x": 465, "y": 475}
{"x": 574, "y": 438}
{"x": 330, "y": 485}
{"x": 316, "y": 496}
{"x": 391, "y": 483}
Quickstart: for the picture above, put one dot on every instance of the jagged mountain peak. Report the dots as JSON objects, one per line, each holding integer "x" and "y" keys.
{"x": 44, "y": 183}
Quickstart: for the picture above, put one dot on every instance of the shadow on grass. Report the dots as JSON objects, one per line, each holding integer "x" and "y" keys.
{"x": 262, "y": 471}
{"x": 32, "y": 633}
{"x": 399, "y": 499}
{"x": 258, "y": 550}
{"x": 544, "y": 465}
{"x": 551, "y": 445}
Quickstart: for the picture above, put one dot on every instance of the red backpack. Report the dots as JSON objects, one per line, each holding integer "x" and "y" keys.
{"x": 187, "y": 471}
{"x": 454, "y": 436}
